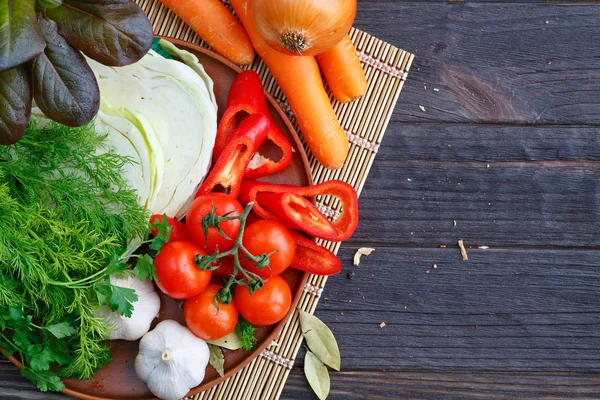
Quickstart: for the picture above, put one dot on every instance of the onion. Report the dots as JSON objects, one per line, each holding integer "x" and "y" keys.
{"x": 303, "y": 27}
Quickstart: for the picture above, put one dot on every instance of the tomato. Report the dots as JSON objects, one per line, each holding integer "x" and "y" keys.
{"x": 203, "y": 318}
{"x": 225, "y": 269}
{"x": 201, "y": 207}
{"x": 263, "y": 237}
{"x": 178, "y": 276}
{"x": 267, "y": 305}
{"x": 178, "y": 228}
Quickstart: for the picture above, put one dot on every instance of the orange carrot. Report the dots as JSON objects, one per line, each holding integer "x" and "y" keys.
{"x": 213, "y": 22}
{"x": 300, "y": 80}
{"x": 343, "y": 71}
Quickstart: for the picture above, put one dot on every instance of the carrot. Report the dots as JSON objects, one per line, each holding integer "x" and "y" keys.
{"x": 300, "y": 80}
{"x": 343, "y": 71}
{"x": 213, "y": 22}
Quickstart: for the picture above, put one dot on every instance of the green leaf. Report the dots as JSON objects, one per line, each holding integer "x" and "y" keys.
{"x": 64, "y": 86}
{"x": 317, "y": 375}
{"x": 44, "y": 380}
{"x": 49, "y": 3}
{"x": 112, "y": 32}
{"x": 122, "y": 300}
{"x": 230, "y": 342}
{"x": 20, "y": 37}
{"x": 320, "y": 340}
{"x": 216, "y": 359}
{"x": 245, "y": 330}
{"x": 103, "y": 292}
{"x": 15, "y": 103}
{"x": 61, "y": 330}
{"x": 144, "y": 268}
{"x": 163, "y": 233}
{"x": 115, "y": 266}
{"x": 40, "y": 359}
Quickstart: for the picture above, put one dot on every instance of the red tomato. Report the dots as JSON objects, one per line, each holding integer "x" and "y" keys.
{"x": 178, "y": 276}
{"x": 201, "y": 207}
{"x": 267, "y": 305}
{"x": 225, "y": 267}
{"x": 263, "y": 237}
{"x": 203, "y": 318}
{"x": 178, "y": 228}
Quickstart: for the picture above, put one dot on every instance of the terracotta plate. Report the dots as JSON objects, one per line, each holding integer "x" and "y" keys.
{"x": 118, "y": 380}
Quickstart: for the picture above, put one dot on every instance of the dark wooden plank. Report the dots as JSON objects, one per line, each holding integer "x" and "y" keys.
{"x": 449, "y": 386}
{"x": 14, "y": 386}
{"x": 502, "y": 310}
{"x": 487, "y": 143}
{"x": 494, "y": 62}
{"x": 506, "y": 204}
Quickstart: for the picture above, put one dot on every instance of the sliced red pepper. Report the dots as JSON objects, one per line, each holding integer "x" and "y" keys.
{"x": 229, "y": 169}
{"x": 179, "y": 230}
{"x": 303, "y": 216}
{"x": 296, "y": 212}
{"x": 247, "y": 97}
{"x": 312, "y": 258}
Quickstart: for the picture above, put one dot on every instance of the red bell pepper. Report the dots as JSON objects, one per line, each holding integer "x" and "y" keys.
{"x": 247, "y": 97}
{"x": 312, "y": 258}
{"x": 229, "y": 168}
{"x": 297, "y": 214}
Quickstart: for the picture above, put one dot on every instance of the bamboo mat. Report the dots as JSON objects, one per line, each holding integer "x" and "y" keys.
{"x": 365, "y": 122}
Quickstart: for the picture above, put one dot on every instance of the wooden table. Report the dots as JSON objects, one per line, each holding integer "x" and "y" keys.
{"x": 506, "y": 156}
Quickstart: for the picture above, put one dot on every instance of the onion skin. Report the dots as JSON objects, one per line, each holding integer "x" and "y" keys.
{"x": 303, "y": 27}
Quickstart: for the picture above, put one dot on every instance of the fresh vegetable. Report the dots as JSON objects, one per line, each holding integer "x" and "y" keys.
{"x": 300, "y": 80}
{"x": 229, "y": 169}
{"x": 179, "y": 230}
{"x": 171, "y": 360}
{"x": 297, "y": 214}
{"x": 177, "y": 274}
{"x": 343, "y": 71}
{"x": 48, "y": 38}
{"x": 269, "y": 237}
{"x": 173, "y": 108}
{"x": 313, "y": 258}
{"x": 205, "y": 231}
{"x": 245, "y": 331}
{"x": 215, "y": 25}
{"x": 224, "y": 268}
{"x": 209, "y": 318}
{"x": 145, "y": 310}
{"x": 67, "y": 216}
{"x": 247, "y": 97}
{"x": 303, "y": 27}
{"x": 247, "y": 278}
{"x": 267, "y": 305}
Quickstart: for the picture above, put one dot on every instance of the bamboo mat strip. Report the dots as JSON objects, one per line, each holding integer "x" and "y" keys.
{"x": 365, "y": 122}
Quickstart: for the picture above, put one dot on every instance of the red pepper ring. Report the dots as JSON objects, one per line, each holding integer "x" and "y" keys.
{"x": 296, "y": 212}
{"x": 312, "y": 258}
{"x": 345, "y": 224}
{"x": 247, "y": 96}
{"x": 229, "y": 169}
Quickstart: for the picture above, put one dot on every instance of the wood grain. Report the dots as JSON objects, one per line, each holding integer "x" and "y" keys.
{"x": 520, "y": 319}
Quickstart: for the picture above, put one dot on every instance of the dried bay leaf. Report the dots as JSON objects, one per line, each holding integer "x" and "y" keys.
{"x": 317, "y": 375}
{"x": 320, "y": 340}
{"x": 216, "y": 359}
{"x": 230, "y": 342}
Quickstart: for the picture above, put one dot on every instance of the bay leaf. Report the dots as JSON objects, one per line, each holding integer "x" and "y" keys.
{"x": 230, "y": 342}
{"x": 320, "y": 340}
{"x": 317, "y": 375}
{"x": 216, "y": 359}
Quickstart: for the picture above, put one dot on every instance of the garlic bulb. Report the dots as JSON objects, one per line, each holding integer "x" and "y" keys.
{"x": 144, "y": 310}
{"x": 171, "y": 360}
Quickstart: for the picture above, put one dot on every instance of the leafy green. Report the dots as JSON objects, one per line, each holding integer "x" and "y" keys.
{"x": 66, "y": 218}
{"x": 245, "y": 330}
{"x": 15, "y": 103}
{"x": 49, "y": 3}
{"x": 20, "y": 38}
{"x": 144, "y": 268}
{"x": 112, "y": 32}
{"x": 64, "y": 86}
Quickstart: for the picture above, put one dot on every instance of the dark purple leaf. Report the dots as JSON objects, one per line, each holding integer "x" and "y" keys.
{"x": 20, "y": 38}
{"x": 15, "y": 103}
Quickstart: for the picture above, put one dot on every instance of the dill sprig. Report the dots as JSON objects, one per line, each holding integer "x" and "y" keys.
{"x": 66, "y": 213}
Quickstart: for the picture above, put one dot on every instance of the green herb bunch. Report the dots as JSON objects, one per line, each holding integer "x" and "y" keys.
{"x": 67, "y": 221}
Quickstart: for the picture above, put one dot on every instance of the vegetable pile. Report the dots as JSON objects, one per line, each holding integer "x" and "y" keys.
{"x": 294, "y": 38}
{"x": 40, "y": 57}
